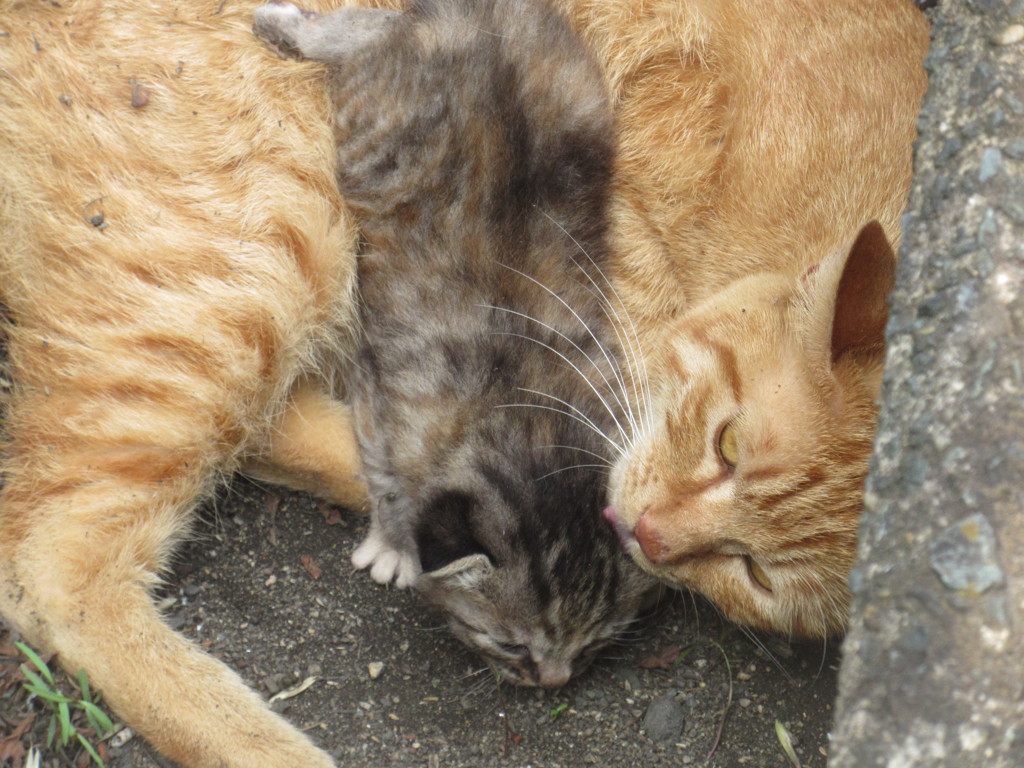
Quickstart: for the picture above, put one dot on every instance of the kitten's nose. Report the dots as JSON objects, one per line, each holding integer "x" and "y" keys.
{"x": 551, "y": 675}
{"x": 648, "y": 540}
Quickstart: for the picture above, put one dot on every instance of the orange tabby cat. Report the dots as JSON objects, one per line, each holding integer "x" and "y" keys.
{"x": 756, "y": 265}
{"x": 178, "y": 268}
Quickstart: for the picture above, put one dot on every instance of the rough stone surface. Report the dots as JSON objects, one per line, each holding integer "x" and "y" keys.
{"x": 933, "y": 671}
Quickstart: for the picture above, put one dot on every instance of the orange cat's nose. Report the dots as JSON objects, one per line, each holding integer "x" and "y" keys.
{"x": 648, "y": 540}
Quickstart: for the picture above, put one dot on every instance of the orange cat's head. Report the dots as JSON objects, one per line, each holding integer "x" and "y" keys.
{"x": 745, "y": 482}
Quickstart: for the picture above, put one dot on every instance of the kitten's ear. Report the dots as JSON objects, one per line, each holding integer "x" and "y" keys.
{"x": 294, "y": 33}
{"x": 444, "y": 532}
{"x": 464, "y": 574}
{"x": 852, "y": 292}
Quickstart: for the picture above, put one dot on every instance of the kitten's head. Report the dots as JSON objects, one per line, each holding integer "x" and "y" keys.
{"x": 747, "y": 483}
{"x": 535, "y": 602}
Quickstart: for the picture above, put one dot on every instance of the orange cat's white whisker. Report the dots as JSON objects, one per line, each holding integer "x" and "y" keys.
{"x": 633, "y": 355}
{"x": 581, "y": 450}
{"x": 608, "y": 357}
{"x": 582, "y": 420}
{"x": 575, "y": 346}
{"x": 576, "y": 410}
{"x": 601, "y": 468}
{"x": 752, "y": 636}
{"x": 589, "y": 383}
{"x": 637, "y": 362}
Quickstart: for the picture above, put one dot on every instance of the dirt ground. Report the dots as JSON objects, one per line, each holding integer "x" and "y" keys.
{"x": 267, "y": 587}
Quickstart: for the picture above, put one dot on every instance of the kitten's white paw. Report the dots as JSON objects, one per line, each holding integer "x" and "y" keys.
{"x": 368, "y": 551}
{"x": 385, "y": 563}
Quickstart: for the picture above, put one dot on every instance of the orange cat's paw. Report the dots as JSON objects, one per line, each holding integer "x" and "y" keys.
{"x": 386, "y": 564}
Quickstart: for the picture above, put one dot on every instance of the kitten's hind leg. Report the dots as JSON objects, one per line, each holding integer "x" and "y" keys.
{"x": 294, "y": 33}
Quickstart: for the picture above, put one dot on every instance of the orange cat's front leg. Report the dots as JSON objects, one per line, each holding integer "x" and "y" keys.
{"x": 312, "y": 448}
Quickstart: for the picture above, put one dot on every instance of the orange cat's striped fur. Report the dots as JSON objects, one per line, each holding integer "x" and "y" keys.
{"x": 756, "y": 262}
{"x": 178, "y": 269}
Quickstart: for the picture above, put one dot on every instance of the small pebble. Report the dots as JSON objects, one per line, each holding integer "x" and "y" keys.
{"x": 375, "y": 668}
{"x": 271, "y": 581}
{"x": 1010, "y": 35}
{"x": 991, "y": 162}
{"x": 122, "y": 737}
{"x": 663, "y": 720}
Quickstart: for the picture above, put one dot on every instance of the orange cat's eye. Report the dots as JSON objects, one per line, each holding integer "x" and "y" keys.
{"x": 728, "y": 445}
{"x": 757, "y": 574}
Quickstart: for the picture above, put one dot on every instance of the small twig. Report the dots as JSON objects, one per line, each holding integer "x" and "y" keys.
{"x": 728, "y": 702}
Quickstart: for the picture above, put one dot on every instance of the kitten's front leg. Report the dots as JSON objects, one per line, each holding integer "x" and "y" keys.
{"x": 388, "y": 549}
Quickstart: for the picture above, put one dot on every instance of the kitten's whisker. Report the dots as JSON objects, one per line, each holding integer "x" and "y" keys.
{"x": 584, "y": 421}
{"x": 575, "y": 346}
{"x": 474, "y": 673}
{"x": 571, "y": 364}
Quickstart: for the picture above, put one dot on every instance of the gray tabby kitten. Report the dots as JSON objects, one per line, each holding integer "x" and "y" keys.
{"x": 474, "y": 146}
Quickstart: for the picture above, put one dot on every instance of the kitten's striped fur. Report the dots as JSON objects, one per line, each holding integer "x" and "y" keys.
{"x": 475, "y": 145}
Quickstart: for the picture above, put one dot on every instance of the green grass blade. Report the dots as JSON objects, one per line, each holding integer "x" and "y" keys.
{"x": 83, "y": 684}
{"x": 92, "y": 752}
{"x": 34, "y": 679}
{"x": 98, "y": 719}
{"x": 66, "y": 729}
{"x": 787, "y": 744}
{"x": 36, "y": 661}
{"x": 51, "y": 730}
{"x": 46, "y": 694}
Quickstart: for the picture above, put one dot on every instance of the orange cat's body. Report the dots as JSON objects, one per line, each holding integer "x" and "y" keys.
{"x": 178, "y": 270}
{"x": 174, "y": 257}
{"x": 796, "y": 132}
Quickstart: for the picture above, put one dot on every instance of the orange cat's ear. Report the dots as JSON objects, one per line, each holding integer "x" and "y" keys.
{"x": 862, "y": 296}
{"x": 849, "y": 294}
